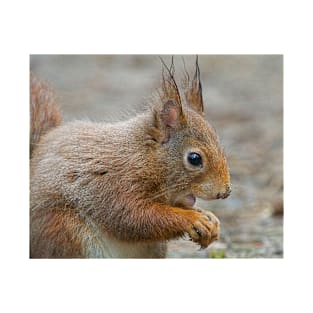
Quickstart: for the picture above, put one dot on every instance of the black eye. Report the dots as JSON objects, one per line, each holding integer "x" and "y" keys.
{"x": 194, "y": 159}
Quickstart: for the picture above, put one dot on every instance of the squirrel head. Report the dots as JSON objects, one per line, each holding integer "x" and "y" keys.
{"x": 187, "y": 146}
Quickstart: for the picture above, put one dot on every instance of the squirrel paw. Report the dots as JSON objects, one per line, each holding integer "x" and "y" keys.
{"x": 205, "y": 228}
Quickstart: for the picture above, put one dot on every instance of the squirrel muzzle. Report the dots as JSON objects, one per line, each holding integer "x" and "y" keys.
{"x": 213, "y": 191}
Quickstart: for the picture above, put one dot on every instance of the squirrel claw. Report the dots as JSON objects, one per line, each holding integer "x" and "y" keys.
{"x": 205, "y": 229}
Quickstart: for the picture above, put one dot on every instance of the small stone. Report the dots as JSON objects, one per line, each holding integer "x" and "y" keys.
{"x": 278, "y": 207}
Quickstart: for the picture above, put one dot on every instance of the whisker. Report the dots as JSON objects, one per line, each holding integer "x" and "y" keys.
{"x": 168, "y": 189}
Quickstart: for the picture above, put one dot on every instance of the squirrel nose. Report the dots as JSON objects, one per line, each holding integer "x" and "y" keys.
{"x": 223, "y": 195}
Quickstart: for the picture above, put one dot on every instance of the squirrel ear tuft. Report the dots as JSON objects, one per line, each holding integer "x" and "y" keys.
{"x": 169, "y": 90}
{"x": 193, "y": 91}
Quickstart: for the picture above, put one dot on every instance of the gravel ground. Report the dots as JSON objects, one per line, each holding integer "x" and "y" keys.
{"x": 243, "y": 101}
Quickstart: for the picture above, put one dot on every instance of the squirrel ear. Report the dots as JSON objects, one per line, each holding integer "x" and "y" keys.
{"x": 172, "y": 114}
{"x": 193, "y": 91}
{"x": 167, "y": 120}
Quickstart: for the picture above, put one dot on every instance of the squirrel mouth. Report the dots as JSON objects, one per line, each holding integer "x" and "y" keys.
{"x": 189, "y": 200}
{"x": 184, "y": 200}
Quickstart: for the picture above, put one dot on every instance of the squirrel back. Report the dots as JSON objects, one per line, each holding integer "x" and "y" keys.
{"x": 124, "y": 189}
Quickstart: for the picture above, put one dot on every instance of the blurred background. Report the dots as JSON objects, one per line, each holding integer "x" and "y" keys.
{"x": 243, "y": 97}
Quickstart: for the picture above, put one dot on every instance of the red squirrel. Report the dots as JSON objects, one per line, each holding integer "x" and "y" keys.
{"x": 122, "y": 190}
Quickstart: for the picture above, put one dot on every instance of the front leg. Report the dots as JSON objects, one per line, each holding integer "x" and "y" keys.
{"x": 151, "y": 221}
{"x": 214, "y": 226}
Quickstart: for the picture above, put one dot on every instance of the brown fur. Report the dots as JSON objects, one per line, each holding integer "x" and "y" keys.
{"x": 120, "y": 190}
{"x": 44, "y": 111}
